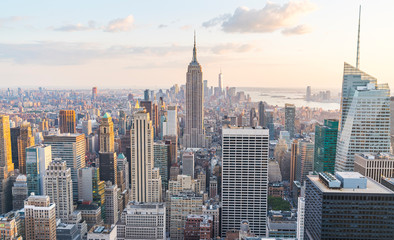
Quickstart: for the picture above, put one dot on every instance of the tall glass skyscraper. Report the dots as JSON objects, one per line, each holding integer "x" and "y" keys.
{"x": 326, "y": 146}
{"x": 365, "y": 119}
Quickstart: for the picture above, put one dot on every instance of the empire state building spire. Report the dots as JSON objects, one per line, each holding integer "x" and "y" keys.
{"x": 194, "y": 60}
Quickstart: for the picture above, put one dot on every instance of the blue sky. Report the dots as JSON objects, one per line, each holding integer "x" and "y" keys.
{"x": 78, "y": 44}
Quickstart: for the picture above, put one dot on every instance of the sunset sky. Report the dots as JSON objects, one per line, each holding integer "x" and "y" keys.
{"x": 148, "y": 44}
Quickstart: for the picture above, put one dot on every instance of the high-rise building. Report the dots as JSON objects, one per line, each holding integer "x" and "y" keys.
{"x": 87, "y": 127}
{"x": 347, "y": 206}
{"x": 106, "y": 134}
{"x": 293, "y": 162}
{"x": 67, "y": 122}
{"x": 91, "y": 188}
{"x": 220, "y": 82}
{"x": 194, "y": 130}
{"x": 58, "y": 186}
{"x": 301, "y": 218}
{"x": 206, "y": 89}
{"x": 172, "y": 121}
{"x": 123, "y": 165}
{"x": 145, "y": 179}
{"x": 182, "y": 205}
{"x": 25, "y": 140}
{"x": 252, "y": 117}
{"x": 172, "y": 141}
{"x": 102, "y": 232}
{"x": 325, "y": 146}
{"x": 94, "y": 93}
{"x": 290, "y": 119}
{"x": 308, "y": 93}
{"x": 19, "y": 192}
{"x": 374, "y": 165}
{"x": 10, "y": 226}
{"x": 244, "y": 163}
{"x": 198, "y": 227}
{"x": 362, "y": 98}
{"x": 162, "y": 160}
{"x": 146, "y": 95}
{"x": 108, "y": 166}
{"x": 40, "y": 218}
{"x": 38, "y": 159}
{"x": 69, "y": 148}
{"x": 188, "y": 164}
{"x": 111, "y": 203}
{"x": 15, "y": 133}
{"x": 262, "y": 118}
{"x": 6, "y": 164}
{"x": 213, "y": 210}
{"x": 305, "y": 157}
{"x": 142, "y": 221}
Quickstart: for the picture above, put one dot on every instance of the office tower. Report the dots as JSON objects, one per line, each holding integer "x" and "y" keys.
{"x": 67, "y": 232}
{"x": 40, "y": 218}
{"x": 94, "y": 93}
{"x": 25, "y": 140}
{"x": 213, "y": 187}
{"x": 213, "y": 210}
{"x": 202, "y": 180}
{"x": 147, "y": 105}
{"x": 244, "y": 163}
{"x": 146, "y": 95}
{"x": 362, "y": 98}
{"x": 325, "y": 146}
{"x": 38, "y": 159}
{"x": 91, "y": 188}
{"x": 162, "y": 160}
{"x": 108, "y": 166}
{"x": 290, "y": 118}
{"x": 91, "y": 214}
{"x": 6, "y": 164}
{"x": 67, "y": 122}
{"x": 123, "y": 165}
{"x": 194, "y": 129}
{"x": 252, "y": 117}
{"x": 19, "y": 192}
{"x": 206, "y": 89}
{"x": 142, "y": 221}
{"x": 391, "y": 117}
{"x": 58, "y": 186}
{"x": 87, "y": 127}
{"x": 188, "y": 164}
{"x": 172, "y": 121}
{"x": 15, "y": 133}
{"x": 270, "y": 123}
{"x": 145, "y": 179}
{"x": 300, "y": 218}
{"x": 106, "y": 134}
{"x": 374, "y": 165}
{"x": 347, "y": 206}
{"x": 198, "y": 227}
{"x": 182, "y": 205}
{"x": 69, "y": 148}
{"x": 10, "y": 226}
{"x": 262, "y": 120}
{"x": 304, "y": 160}
{"x": 172, "y": 141}
{"x": 308, "y": 93}
{"x": 111, "y": 203}
{"x": 293, "y": 162}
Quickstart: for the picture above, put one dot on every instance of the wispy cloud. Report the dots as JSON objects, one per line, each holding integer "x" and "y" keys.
{"x": 271, "y": 18}
{"x": 297, "y": 30}
{"x": 11, "y": 19}
{"x": 77, "y": 27}
{"x": 120, "y": 24}
{"x": 233, "y": 47}
{"x": 162, "y": 26}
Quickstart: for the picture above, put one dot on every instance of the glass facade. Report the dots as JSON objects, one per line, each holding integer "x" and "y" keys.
{"x": 326, "y": 146}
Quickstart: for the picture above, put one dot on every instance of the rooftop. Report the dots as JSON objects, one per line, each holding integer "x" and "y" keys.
{"x": 372, "y": 186}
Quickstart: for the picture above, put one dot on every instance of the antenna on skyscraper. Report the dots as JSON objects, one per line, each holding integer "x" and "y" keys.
{"x": 358, "y": 40}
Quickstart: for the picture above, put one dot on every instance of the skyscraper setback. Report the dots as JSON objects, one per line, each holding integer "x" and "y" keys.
{"x": 194, "y": 130}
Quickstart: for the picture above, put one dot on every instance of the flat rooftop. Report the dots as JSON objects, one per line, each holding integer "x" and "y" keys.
{"x": 372, "y": 187}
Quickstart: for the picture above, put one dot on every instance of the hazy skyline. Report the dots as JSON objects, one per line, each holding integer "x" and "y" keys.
{"x": 142, "y": 44}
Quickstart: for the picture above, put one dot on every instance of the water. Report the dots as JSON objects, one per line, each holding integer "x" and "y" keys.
{"x": 281, "y": 96}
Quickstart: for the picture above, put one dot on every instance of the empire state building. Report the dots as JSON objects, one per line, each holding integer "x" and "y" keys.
{"x": 194, "y": 130}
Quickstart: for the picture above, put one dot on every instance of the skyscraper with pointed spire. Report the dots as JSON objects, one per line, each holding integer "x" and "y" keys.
{"x": 365, "y": 115}
{"x": 194, "y": 131}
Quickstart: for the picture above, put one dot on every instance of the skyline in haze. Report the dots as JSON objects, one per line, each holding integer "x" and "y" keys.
{"x": 132, "y": 45}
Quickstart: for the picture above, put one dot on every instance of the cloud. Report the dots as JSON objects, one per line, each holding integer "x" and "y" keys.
{"x": 11, "y": 19}
{"x": 62, "y": 53}
{"x": 297, "y": 30}
{"x": 271, "y": 18}
{"x": 162, "y": 26}
{"x": 233, "y": 47}
{"x": 120, "y": 24}
{"x": 185, "y": 27}
{"x": 77, "y": 27}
